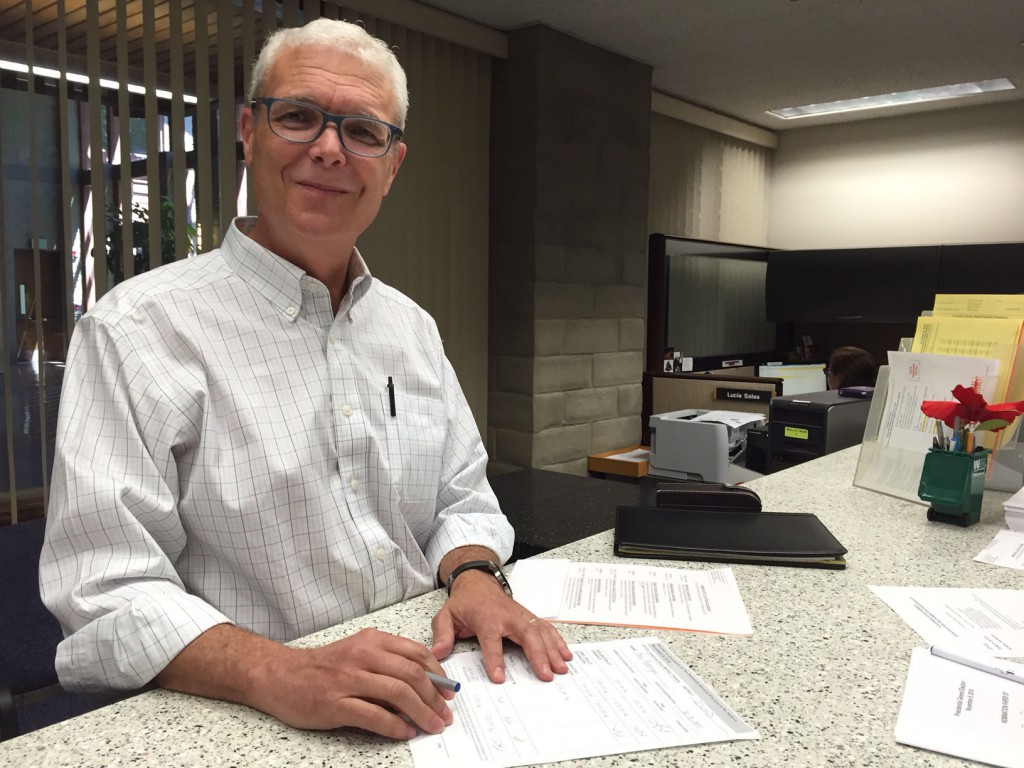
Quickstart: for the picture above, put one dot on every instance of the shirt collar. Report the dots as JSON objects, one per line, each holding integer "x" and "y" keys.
{"x": 278, "y": 280}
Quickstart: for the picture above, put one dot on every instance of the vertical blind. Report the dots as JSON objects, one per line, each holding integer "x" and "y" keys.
{"x": 125, "y": 155}
{"x": 706, "y": 185}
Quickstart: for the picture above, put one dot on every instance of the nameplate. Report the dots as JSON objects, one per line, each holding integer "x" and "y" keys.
{"x": 743, "y": 395}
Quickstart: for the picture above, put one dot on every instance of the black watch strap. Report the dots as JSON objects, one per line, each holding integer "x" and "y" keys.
{"x": 480, "y": 565}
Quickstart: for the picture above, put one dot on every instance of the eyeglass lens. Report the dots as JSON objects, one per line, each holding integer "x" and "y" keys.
{"x": 295, "y": 121}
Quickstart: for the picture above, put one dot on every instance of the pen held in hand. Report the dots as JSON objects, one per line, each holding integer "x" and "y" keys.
{"x": 444, "y": 682}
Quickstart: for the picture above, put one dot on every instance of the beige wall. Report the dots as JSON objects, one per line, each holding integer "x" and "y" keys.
{"x": 952, "y": 176}
{"x": 707, "y": 185}
{"x": 430, "y": 239}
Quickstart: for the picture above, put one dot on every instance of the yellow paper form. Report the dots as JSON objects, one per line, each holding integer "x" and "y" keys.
{"x": 980, "y": 305}
{"x": 997, "y": 338}
{"x": 991, "y": 305}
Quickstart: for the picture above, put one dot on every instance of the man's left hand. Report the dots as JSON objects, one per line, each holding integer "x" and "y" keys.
{"x": 478, "y": 607}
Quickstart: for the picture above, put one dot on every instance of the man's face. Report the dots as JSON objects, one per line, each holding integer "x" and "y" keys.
{"x": 318, "y": 194}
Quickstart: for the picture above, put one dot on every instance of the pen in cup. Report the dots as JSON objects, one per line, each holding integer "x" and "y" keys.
{"x": 444, "y": 682}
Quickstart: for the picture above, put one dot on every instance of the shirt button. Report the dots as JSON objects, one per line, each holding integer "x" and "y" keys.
{"x": 380, "y": 554}
{"x": 353, "y": 484}
{"x": 332, "y": 339}
{"x": 290, "y": 311}
{"x": 346, "y": 410}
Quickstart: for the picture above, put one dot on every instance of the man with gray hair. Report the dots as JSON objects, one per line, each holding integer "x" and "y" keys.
{"x": 264, "y": 441}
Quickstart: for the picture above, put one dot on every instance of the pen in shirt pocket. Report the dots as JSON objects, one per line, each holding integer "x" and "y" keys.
{"x": 391, "y": 396}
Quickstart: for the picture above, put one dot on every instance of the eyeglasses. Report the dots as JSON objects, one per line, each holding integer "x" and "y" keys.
{"x": 302, "y": 123}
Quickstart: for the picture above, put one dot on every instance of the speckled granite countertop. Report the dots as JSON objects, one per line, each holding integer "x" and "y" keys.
{"x": 821, "y": 678}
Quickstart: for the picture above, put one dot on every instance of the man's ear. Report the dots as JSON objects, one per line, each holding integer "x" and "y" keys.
{"x": 247, "y": 127}
{"x": 396, "y": 160}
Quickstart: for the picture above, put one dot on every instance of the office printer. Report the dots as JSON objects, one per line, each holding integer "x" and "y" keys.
{"x": 806, "y": 426}
{"x": 697, "y": 444}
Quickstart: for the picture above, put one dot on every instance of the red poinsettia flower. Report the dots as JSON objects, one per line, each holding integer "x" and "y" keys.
{"x": 972, "y": 409}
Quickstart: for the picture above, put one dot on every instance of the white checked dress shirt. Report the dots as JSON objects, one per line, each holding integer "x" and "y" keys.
{"x": 226, "y": 453}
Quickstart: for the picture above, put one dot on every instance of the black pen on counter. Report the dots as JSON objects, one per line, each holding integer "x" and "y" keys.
{"x": 391, "y": 396}
{"x": 444, "y": 682}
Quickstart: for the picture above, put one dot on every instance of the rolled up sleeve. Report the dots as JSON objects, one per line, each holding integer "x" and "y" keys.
{"x": 113, "y": 531}
{"x": 467, "y": 509}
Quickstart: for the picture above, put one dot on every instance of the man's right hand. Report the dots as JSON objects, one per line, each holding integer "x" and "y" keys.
{"x": 370, "y": 680}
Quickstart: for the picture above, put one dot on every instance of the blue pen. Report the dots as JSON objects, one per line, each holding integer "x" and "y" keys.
{"x": 444, "y": 682}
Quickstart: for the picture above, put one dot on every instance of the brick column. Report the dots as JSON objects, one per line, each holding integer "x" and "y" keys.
{"x": 570, "y": 145}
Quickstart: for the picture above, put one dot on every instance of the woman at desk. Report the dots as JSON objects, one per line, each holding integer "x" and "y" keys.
{"x": 851, "y": 367}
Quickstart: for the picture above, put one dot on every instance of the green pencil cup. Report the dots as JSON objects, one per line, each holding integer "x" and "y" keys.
{"x": 953, "y": 482}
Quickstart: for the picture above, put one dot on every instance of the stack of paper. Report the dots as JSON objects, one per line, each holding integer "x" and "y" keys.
{"x": 629, "y": 595}
{"x": 982, "y": 621}
{"x": 1006, "y": 550}
{"x": 619, "y": 696}
{"x": 1014, "y": 509}
{"x": 965, "y": 706}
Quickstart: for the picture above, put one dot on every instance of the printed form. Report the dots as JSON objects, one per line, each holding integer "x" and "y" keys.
{"x": 893, "y": 464}
{"x": 1006, "y": 550}
{"x": 618, "y": 696}
{"x": 985, "y": 621}
{"x": 959, "y": 710}
{"x": 622, "y": 594}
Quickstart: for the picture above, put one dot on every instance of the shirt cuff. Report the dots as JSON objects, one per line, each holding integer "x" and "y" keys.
{"x": 126, "y": 648}
{"x": 481, "y": 529}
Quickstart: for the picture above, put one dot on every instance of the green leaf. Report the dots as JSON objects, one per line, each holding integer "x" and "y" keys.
{"x": 992, "y": 424}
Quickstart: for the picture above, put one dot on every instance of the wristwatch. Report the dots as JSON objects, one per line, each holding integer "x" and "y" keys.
{"x": 479, "y": 565}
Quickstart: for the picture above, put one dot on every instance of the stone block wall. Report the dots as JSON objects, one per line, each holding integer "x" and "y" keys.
{"x": 570, "y": 152}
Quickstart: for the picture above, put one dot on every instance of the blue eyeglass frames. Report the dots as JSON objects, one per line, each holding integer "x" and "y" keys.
{"x": 302, "y": 123}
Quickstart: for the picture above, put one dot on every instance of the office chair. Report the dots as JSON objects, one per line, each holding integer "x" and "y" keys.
{"x": 30, "y": 696}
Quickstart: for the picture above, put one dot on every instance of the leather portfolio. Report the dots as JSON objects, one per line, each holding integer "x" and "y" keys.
{"x": 757, "y": 538}
{"x": 707, "y": 496}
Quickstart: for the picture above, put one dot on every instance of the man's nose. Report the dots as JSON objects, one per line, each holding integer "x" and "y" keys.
{"x": 328, "y": 145}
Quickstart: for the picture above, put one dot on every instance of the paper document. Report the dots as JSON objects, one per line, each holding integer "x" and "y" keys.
{"x": 1006, "y": 549}
{"x": 914, "y": 378}
{"x": 621, "y": 594}
{"x": 984, "y": 621}
{"x": 636, "y": 455}
{"x": 893, "y": 463}
{"x": 730, "y": 418}
{"x": 996, "y": 338}
{"x": 959, "y": 710}
{"x": 979, "y": 305}
{"x": 1013, "y": 508}
{"x": 619, "y": 696}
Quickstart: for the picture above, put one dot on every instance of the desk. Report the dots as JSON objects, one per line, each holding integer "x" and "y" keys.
{"x": 821, "y": 678}
{"x": 550, "y": 509}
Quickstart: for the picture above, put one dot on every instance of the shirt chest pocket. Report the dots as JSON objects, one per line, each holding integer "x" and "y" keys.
{"x": 415, "y": 447}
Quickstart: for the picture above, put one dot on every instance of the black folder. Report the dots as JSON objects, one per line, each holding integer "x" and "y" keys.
{"x": 757, "y": 538}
